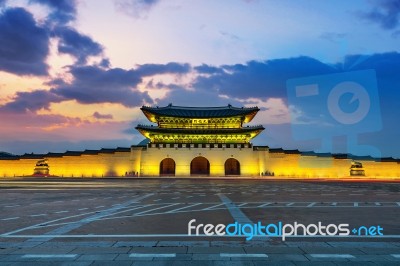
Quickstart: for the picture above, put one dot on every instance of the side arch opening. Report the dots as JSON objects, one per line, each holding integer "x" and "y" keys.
{"x": 232, "y": 167}
{"x": 167, "y": 167}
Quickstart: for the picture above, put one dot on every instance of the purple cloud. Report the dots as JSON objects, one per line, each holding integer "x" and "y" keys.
{"x": 63, "y": 11}
{"x": 156, "y": 69}
{"x": 386, "y": 13}
{"x": 97, "y": 115}
{"x": 24, "y": 44}
{"x": 92, "y": 84}
{"x": 31, "y": 101}
{"x": 135, "y": 8}
{"x": 260, "y": 79}
{"x": 76, "y": 44}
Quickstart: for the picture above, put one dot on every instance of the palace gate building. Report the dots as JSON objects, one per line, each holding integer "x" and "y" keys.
{"x": 199, "y": 141}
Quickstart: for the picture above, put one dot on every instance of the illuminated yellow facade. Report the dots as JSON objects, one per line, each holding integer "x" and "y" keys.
{"x": 101, "y": 163}
{"x": 192, "y": 141}
{"x": 217, "y": 156}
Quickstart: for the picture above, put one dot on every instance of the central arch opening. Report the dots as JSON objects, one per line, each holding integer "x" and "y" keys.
{"x": 200, "y": 166}
{"x": 167, "y": 167}
{"x": 232, "y": 167}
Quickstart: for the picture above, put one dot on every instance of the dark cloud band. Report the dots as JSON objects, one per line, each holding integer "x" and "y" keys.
{"x": 24, "y": 45}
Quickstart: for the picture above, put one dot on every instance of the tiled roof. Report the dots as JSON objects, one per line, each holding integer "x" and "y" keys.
{"x": 276, "y": 150}
{"x": 199, "y": 112}
{"x": 198, "y": 130}
{"x": 54, "y": 154}
{"x": 72, "y": 153}
{"x": 31, "y": 156}
{"x": 333, "y": 155}
{"x": 6, "y": 154}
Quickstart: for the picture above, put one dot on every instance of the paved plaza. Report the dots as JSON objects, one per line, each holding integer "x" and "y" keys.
{"x": 145, "y": 221}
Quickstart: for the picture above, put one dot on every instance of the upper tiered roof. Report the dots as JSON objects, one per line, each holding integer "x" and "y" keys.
{"x": 199, "y": 112}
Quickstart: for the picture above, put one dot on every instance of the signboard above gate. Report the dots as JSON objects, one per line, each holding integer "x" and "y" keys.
{"x": 199, "y": 121}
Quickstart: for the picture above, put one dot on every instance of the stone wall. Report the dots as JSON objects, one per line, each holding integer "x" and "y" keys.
{"x": 145, "y": 161}
{"x": 297, "y": 165}
{"x": 96, "y": 165}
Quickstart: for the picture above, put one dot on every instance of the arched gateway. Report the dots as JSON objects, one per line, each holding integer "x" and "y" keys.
{"x": 167, "y": 167}
{"x": 232, "y": 167}
{"x": 200, "y": 166}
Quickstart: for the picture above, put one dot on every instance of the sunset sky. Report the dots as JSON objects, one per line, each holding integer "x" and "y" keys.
{"x": 73, "y": 74}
